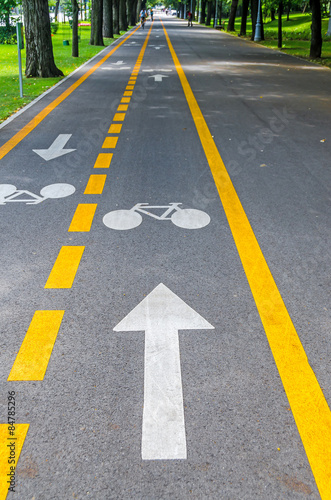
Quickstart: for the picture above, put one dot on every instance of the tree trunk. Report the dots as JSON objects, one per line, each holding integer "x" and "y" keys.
{"x": 203, "y": 11}
{"x": 272, "y": 14}
{"x": 96, "y": 23}
{"x": 108, "y": 19}
{"x": 232, "y": 17}
{"x": 56, "y": 11}
{"x": 209, "y": 13}
{"x": 193, "y": 9}
{"x": 288, "y": 10}
{"x": 39, "y": 49}
{"x": 132, "y": 5}
{"x": 75, "y": 12}
{"x": 280, "y": 27}
{"x": 123, "y": 17}
{"x": 316, "y": 29}
{"x": 244, "y": 18}
{"x": 116, "y": 17}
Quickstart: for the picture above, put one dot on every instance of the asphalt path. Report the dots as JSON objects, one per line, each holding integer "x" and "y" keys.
{"x": 217, "y": 384}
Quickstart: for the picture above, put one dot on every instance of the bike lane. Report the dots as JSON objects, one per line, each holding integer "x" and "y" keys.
{"x": 158, "y": 161}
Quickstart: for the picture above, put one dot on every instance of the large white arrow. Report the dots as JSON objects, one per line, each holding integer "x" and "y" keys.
{"x": 158, "y": 78}
{"x": 161, "y": 314}
{"x": 56, "y": 149}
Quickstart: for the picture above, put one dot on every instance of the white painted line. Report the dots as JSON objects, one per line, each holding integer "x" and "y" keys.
{"x": 161, "y": 314}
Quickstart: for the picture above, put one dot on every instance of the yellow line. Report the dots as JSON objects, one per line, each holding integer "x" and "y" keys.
{"x": 310, "y": 409}
{"x": 103, "y": 160}
{"x": 83, "y": 217}
{"x": 115, "y": 128}
{"x": 110, "y": 142}
{"x": 33, "y": 357}
{"x": 8, "y": 445}
{"x": 119, "y": 117}
{"x": 122, "y": 107}
{"x": 126, "y": 99}
{"x": 65, "y": 267}
{"x": 128, "y": 93}
{"x": 21, "y": 134}
{"x": 95, "y": 184}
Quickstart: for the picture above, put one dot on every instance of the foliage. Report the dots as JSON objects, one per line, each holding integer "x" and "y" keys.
{"x": 8, "y": 35}
{"x": 54, "y": 28}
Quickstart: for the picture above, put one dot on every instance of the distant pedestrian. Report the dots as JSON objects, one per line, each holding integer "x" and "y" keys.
{"x": 151, "y": 13}
{"x": 189, "y": 18}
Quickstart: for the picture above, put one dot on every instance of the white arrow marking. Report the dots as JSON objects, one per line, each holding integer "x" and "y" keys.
{"x": 158, "y": 78}
{"x": 161, "y": 314}
{"x": 118, "y": 63}
{"x": 56, "y": 149}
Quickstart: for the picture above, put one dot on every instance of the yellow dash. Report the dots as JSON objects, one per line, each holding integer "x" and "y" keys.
{"x": 115, "y": 128}
{"x": 65, "y": 267}
{"x": 14, "y": 445}
{"x": 119, "y": 117}
{"x": 83, "y": 217}
{"x": 127, "y": 93}
{"x": 95, "y": 184}
{"x": 103, "y": 160}
{"x": 129, "y": 87}
{"x": 131, "y": 82}
{"x": 110, "y": 142}
{"x": 33, "y": 357}
{"x": 122, "y": 107}
{"x": 126, "y": 99}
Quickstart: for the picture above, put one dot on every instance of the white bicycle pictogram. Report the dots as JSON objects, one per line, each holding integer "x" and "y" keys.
{"x": 185, "y": 218}
{"x": 10, "y": 194}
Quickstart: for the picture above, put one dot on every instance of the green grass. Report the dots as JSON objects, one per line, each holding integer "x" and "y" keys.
{"x": 296, "y": 36}
{"x": 10, "y": 100}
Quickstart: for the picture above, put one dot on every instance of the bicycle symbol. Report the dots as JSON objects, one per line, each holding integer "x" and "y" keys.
{"x": 186, "y": 218}
{"x": 10, "y": 194}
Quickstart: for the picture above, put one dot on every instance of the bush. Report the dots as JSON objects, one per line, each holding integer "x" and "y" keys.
{"x": 8, "y": 35}
{"x": 54, "y": 28}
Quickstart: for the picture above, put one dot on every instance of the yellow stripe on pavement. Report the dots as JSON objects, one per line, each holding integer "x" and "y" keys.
{"x": 115, "y": 128}
{"x": 110, "y": 143}
{"x": 308, "y": 404}
{"x": 96, "y": 183}
{"x": 83, "y": 217}
{"x": 65, "y": 267}
{"x": 10, "y": 445}
{"x": 33, "y": 357}
{"x": 119, "y": 117}
{"x": 103, "y": 160}
{"x": 21, "y": 134}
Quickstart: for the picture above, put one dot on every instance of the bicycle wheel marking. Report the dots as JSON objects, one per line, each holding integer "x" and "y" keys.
{"x": 36, "y": 349}
{"x": 308, "y": 404}
{"x": 10, "y": 194}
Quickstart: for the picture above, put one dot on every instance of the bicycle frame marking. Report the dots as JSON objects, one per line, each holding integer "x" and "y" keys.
{"x": 35, "y": 198}
{"x": 141, "y": 207}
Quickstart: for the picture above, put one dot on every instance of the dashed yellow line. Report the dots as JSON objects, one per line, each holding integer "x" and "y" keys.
{"x": 83, "y": 217}
{"x": 33, "y": 357}
{"x": 103, "y": 160}
{"x": 10, "y": 444}
{"x": 65, "y": 267}
{"x": 115, "y": 128}
{"x": 119, "y": 117}
{"x": 308, "y": 404}
{"x": 96, "y": 183}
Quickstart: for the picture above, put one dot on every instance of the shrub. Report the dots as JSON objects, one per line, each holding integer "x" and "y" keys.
{"x": 54, "y": 27}
{"x": 8, "y": 35}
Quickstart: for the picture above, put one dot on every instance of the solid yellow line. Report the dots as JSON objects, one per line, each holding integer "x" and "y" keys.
{"x": 310, "y": 409}
{"x": 9, "y": 145}
{"x": 103, "y": 160}
{"x": 15, "y": 445}
{"x": 83, "y": 217}
{"x": 95, "y": 184}
{"x": 33, "y": 357}
{"x": 65, "y": 267}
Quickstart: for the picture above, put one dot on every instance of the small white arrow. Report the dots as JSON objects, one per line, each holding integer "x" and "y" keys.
{"x": 158, "y": 78}
{"x": 118, "y": 63}
{"x": 56, "y": 149}
{"x": 161, "y": 314}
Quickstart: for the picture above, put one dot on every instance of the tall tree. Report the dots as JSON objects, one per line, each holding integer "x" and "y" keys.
{"x": 108, "y": 19}
{"x": 203, "y": 11}
{"x": 39, "y": 49}
{"x": 316, "y": 29}
{"x": 280, "y": 27}
{"x": 116, "y": 16}
{"x": 244, "y": 18}
{"x": 75, "y": 12}
{"x": 96, "y": 23}
{"x": 232, "y": 16}
{"x": 123, "y": 16}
